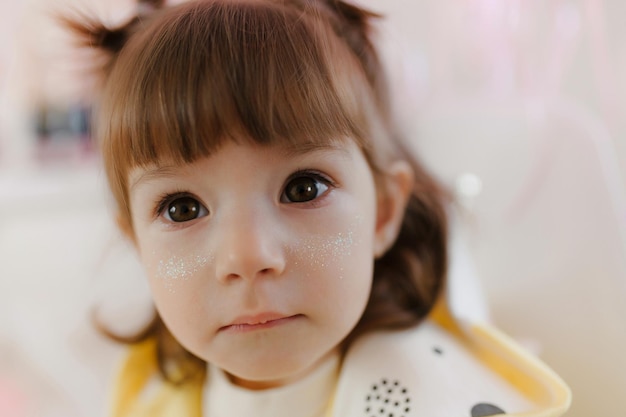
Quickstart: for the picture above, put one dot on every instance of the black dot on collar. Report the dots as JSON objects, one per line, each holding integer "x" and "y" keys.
{"x": 438, "y": 350}
{"x": 485, "y": 409}
{"x": 387, "y": 397}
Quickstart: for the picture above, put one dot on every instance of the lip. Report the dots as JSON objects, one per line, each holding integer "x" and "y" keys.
{"x": 259, "y": 322}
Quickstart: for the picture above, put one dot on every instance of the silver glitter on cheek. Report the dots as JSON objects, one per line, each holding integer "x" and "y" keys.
{"x": 177, "y": 269}
{"x": 320, "y": 252}
{"x": 337, "y": 246}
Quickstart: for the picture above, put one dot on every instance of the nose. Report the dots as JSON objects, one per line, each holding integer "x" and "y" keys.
{"x": 249, "y": 247}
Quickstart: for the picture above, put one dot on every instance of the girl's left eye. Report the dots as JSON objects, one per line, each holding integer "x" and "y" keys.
{"x": 304, "y": 188}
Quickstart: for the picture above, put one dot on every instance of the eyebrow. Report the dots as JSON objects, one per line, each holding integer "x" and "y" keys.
{"x": 151, "y": 174}
{"x": 290, "y": 151}
{"x": 300, "y": 149}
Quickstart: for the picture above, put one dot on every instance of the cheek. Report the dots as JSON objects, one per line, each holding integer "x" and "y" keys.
{"x": 175, "y": 279}
{"x": 176, "y": 283}
{"x": 173, "y": 271}
{"x": 336, "y": 264}
{"x": 323, "y": 253}
{"x": 172, "y": 264}
{"x": 331, "y": 245}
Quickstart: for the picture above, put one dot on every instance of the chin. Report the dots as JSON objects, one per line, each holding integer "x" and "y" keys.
{"x": 262, "y": 373}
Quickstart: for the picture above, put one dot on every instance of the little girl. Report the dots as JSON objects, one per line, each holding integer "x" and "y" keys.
{"x": 295, "y": 251}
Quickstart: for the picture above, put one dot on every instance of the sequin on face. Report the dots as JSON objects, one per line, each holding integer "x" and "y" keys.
{"x": 319, "y": 251}
{"x": 177, "y": 269}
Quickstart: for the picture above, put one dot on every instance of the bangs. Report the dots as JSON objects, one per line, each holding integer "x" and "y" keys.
{"x": 203, "y": 73}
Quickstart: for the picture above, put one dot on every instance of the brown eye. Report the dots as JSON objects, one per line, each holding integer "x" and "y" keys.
{"x": 303, "y": 189}
{"x": 184, "y": 209}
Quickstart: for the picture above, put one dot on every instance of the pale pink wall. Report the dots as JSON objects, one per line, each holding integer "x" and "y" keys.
{"x": 528, "y": 96}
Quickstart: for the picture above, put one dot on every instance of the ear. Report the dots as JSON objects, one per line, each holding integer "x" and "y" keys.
{"x": 393, "y": 197}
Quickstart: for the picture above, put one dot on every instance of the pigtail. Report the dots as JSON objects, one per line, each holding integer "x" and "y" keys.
{"x": 94, "y": 34}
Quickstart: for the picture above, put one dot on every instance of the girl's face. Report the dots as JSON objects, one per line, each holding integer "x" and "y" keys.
{"x": 259, "y": 258}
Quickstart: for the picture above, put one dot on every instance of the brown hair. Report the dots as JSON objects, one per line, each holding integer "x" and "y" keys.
{"x": 182, "y": 80}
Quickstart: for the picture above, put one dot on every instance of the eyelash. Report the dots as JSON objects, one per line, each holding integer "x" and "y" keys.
{"x": 311, "y": 173}
{"x": 166, "y": 198}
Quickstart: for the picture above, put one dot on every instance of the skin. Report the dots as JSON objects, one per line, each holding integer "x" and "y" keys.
{"x": 259, "y": 285}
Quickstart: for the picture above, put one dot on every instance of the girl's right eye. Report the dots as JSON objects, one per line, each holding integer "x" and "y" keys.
{"x": 184, "y": 209}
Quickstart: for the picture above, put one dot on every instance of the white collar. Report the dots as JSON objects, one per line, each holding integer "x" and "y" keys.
{"x": 421, "y": 371}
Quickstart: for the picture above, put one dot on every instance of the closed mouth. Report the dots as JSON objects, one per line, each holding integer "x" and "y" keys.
{"x": 260, "y": 322}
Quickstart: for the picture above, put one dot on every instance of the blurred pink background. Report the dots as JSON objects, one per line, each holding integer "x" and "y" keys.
{"x": 516, "y": 105}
